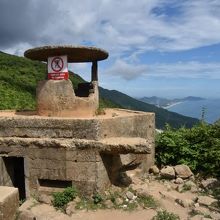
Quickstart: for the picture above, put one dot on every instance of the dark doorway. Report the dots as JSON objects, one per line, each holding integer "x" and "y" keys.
{"x": 15, "y": 170}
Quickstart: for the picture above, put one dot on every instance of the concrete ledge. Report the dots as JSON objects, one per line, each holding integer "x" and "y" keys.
{"x": 115, "y": 123}
{"x": 108, "y": 145}
{"x": 9, "y": 202}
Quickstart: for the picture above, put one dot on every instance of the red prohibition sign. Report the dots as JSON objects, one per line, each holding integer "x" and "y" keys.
{"x": 57, "y": 64}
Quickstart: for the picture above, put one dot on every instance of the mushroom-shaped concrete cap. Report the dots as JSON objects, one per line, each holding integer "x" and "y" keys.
{"x": 74, "y": 53}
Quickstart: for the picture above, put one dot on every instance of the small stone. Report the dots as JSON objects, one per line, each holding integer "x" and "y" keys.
{"x": 114, "y": 114}
{"x": 119, "y": 201}
{"x": 77, "y": 199}
{"x": 168, "y": 172}
{"x": 70, "y": 209}
{"x": 210, "y": 183}
{"x": 192, "y": 178}
{"x": 180, "y": 188}
{"x": 196, "y": 205}
{"x": 206, "y": 200}
{"x": 201, "y": 210}
{"x": 215, "y": 215}
{"x": 107, "y": 193}
{"x": 186, "y": 203}
{"x": 26, "y": 215}
{"x": 45, "y": 199}
{"x": 108, "y": 204}
{"x": 124, "y": 206}
{"x": 154, "y": 169}
{"x": 130, "y": 195}
{"x": 197, "y": 217}
{"x": 178, "y": 180}
{"x": 194, "y": 189}
{"x": 169, "y": 187}
{"x": 191, "y": 185}
{"x": 183, "y": 171}
{"x": 141, "y": 192}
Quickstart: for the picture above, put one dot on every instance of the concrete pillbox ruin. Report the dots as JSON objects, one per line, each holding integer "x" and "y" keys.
{"x": 64, "y": 142}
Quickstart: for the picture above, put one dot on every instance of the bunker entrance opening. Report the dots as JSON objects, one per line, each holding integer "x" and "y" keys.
{"x": 13, "y": 174}
{"x": 84, "y": 89}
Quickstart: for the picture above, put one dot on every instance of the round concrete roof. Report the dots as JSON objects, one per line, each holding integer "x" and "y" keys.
{"x": 74, "y": 53}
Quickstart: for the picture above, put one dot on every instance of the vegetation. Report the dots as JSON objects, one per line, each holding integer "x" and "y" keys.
{"x": 164, "y": 215}
{"x": 60, "y": 199}
{"x": 98, "y": 201}
{"x": 198, "y": 147}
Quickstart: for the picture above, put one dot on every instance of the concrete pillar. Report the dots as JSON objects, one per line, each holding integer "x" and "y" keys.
{"x": 94, "y": 71}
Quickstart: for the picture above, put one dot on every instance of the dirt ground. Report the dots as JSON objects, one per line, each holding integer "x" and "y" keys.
{"x": 163, "y": 192}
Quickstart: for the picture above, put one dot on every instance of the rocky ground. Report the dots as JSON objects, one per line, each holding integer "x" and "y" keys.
{"x": 174, "y": 189}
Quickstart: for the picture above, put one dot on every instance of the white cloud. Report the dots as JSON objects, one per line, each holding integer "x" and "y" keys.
{"x": 129, "y": 26}
{"x": 185, "y": 70}
{"x": 125, "y": 70}
{"x": 188, "y": 70}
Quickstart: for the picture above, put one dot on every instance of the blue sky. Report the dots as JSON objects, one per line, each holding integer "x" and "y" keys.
{"x": 168, "y": 48}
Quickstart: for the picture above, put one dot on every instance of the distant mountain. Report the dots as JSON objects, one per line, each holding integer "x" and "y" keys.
{"x": 163, "y": 116}
{"x": 19, "y": 77}
{"x": 164, "y": 102}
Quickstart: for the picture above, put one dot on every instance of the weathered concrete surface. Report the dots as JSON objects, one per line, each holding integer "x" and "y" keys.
{"x": 21, "y": 146}
{"x": 83, "y": 152}
{"x": 126, "y": 124}
{"x": 9, "y": 202}
{"x": 57, "y": 98}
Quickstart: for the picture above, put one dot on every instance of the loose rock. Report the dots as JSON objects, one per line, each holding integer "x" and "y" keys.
{"x": 168, "y": 172}
{"x": 45, "y": 199}
{"x": 210, "y": 183}
{"x": 108, "y": 204}
{"x": 70, "y": 209}
{"x": 201, "y": 210}
{"x": 183, "y": 171}
{"x": 185, "y": 202}
{"x": 154, "y": 169}
{"x": 26, "y": 215}
{"x": 130, "y": 195}
{"x": 119, "y": 201}
{"x": 206, "y": 200}
{"x": 178, "y": 180}
{"x": 142, "y": 193}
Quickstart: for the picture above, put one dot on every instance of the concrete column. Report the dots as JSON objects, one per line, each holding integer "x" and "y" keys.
{"x": 94, "y": 71}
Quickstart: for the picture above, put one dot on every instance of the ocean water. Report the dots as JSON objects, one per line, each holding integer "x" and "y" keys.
{"x": 194, "y": 109}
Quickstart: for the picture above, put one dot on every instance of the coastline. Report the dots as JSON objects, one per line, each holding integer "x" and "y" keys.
{"x": 171, "y": 105}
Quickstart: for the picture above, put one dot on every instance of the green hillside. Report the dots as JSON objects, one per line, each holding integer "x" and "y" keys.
{"x": 19, "y": 77}
{"x": 163, "y": 116}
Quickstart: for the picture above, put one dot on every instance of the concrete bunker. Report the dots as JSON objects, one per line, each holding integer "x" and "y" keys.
{"x": 56, "y": 96}
{"x": 64, "y": 143}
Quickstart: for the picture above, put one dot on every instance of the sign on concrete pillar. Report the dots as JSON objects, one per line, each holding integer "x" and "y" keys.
{"x": 58, "y": 68}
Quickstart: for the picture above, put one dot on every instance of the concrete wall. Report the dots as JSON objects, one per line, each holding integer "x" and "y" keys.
{"x": 9, "y": 202}
{"x": 57, "y": 98}
{"x": 5, "y": 170}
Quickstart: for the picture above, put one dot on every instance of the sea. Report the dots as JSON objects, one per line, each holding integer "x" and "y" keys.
{"x": 194, "y": 109}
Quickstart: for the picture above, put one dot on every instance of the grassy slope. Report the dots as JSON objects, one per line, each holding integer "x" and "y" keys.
{"x": 19, "y": 77}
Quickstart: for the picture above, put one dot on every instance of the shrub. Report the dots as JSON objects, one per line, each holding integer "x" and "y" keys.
{"x": 198, "y": 147}
{"x": 97, "y": 198}
{"x": 60, "y": 199}
{"x": 164, "y": 215}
